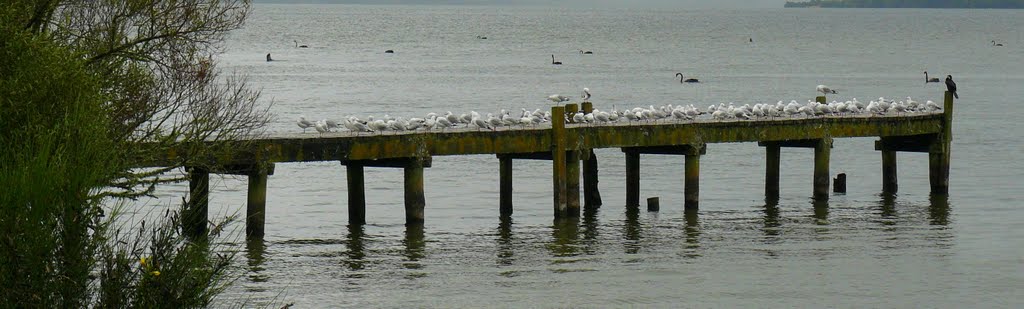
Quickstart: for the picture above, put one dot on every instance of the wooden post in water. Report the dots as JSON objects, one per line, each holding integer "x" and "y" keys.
{"x": 889, "y": 182}
{"x": 691, "y": 190}
{"x": 938, "y": 154}
{"x": 572, "y": 183}
{"x": 505, "y": 173}
{"x": 195, "y": 216}
{"x": 822, "y": 179}
{"x": 772, "y": 165}
{"x": 356, "y": 194}
{"x": 414, "y": 200}
{"x": 256, "y": 203}
{"x": 591, "y": 194}
{"x": 632, "y": 178}
{"x": 820, "y": 99}
{"x": 571, "y": 109}
{"x": 558, "y": 160}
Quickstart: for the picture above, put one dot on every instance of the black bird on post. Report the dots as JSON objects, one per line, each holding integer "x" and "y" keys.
{"x": 951, "y": 86}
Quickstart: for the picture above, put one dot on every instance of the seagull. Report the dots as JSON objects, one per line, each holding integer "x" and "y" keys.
{"x": 558, "y": 98}
{"x": 321, "y": 126}
{"x": 303, "y": 123}
{"x": 586, "y": 94}
{"x": 951, "y": 86}
{"x": 826, "y": 90}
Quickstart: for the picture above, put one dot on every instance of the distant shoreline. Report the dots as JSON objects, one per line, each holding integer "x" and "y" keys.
{"x": 922, "y": 4}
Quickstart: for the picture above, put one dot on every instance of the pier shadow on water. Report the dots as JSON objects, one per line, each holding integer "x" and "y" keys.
{"x": 255, "y": 252}
{"x": 355, "y": 256}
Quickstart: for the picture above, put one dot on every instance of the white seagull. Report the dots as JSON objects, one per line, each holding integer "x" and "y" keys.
{"x": 826, "y": 90}
{"x": 303, "y": 123}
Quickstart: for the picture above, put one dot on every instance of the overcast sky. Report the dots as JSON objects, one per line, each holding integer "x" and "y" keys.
{"x": 573, "y": 3}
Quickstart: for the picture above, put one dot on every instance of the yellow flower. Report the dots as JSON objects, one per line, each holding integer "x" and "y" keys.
{"x": 142, "y": 261}
{"x": 155, "y": 273}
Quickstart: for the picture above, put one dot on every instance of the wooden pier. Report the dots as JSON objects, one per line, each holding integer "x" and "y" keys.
{"x": 569, "y": 146}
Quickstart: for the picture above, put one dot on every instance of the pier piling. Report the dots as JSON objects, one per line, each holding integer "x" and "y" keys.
{"x": 632, "y": 178}
{"x": 938, "y": 154}
{"x": 822, "y": 151}
{"x": 691, "y": 184}
{"x": 591, "y": 194}
{"x": 256, "y": 202}
{"x": 772, "y": 165}
{"x": 558, "y": 160}
{"x": 414, "y": 200}
{"x": 890, "y": 185}
{"x": 505, "y": 173}
{"x": 356, "y": 194}
{"x": 196, "y": 212}
{"x": 572, "y": 183}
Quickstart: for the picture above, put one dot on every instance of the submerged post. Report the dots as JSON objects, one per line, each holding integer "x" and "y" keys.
{"x": 256, "y": 203}
{"x": 591, "y": 194}
{"x": 414, "y": 200}
{"x": 356, "y": 194}
{"x": 772, "y": 165}
{"x": 889, "y": 181}
{"x": 691, "y": 184}
{"x": 938, "y": 154}
{"x": 195, "y": 216}
{"x": 822, "y": 152}
{"x": 558, "y": 160}
{"x": 632, "y": 178}
{"x": 505, "y": 173}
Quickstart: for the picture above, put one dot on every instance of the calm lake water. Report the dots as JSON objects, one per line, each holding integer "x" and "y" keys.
{"x": 859, "y": 250}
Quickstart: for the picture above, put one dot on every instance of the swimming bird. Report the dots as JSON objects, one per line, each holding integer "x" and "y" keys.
{"x": 996, "y": 44}
{"x": 586, "y": 52}
{"x": 930, "y": 80}
{"x": 299, "y": 46}
{"x": 268, "y": 58}
{"x": 826, "y": 90}
{"x": 586, "y": 94}
{"x": 389, "y": 51}
{"x": 688, "y": 80}
{"x": 481, "y": 37}
{"x": 951, "y": 86}
{"x": 303, "y": 123}
{"x": 555, "y": 62}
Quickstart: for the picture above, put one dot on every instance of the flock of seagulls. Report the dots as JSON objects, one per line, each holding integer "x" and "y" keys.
{"x": 505, "y": 119}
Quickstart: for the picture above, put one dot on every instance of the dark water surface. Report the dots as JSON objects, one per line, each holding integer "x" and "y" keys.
{"x": 858, "y": 250}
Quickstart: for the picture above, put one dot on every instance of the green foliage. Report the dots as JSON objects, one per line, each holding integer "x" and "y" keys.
{"x": 60, "y": 153}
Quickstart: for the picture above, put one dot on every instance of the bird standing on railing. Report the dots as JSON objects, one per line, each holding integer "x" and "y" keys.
{"x": 951, "y": 86}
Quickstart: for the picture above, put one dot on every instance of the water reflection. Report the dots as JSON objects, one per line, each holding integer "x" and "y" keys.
{"x": 565, "y": 236}
{"x": 888, "y": 204}
{"x": 355, "y": 254}
{"x": 254, "y": 254}
{"x": 590, "y": 230}
{"x": 771, "y": 217}
{"x": 692, "y": 228}
{"x": 506, "y": 251}
{"x": 414, "y": 245}
{"x": 820, "y": 211}
{"x": 938, "y": 211}
{"x": 632, "y": 231}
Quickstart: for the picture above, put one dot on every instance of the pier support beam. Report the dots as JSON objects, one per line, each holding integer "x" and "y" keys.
{"x": 889, "y": 180}
{"x": 356, "y": 194}
{"x": 938, "y": 154}
{"x": 414, "y": 200}
{"x": 196, "y": 212}
{"x": 558, "y": 160}
{"x": 256, "y": 202}
{"x": 591, "y": 194}
{"x": 505, "y": 173}
{"x": 692, "y": 182}
{"x": 632, "y": 178}
{"x": 773, "y": 160}
{"x": 572, "y": 183}
{"x": 822, "y": 152}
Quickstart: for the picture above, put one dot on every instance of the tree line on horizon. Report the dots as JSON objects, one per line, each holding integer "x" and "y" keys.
{"x": 971, "y": 4}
